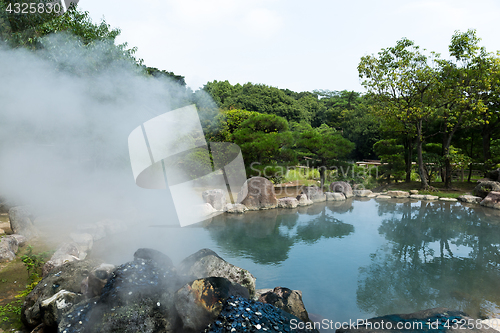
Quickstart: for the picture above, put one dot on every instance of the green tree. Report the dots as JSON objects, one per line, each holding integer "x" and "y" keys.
{"x": 402, "y": 82}
{"x": 264, "y": 138}
{"x": 391, "y": 156}
{"x": 325, "y": 146}
{"x": 464, "y": 86}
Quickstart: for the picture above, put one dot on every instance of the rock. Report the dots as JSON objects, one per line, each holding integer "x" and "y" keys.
{"x": 258, "y": 193}
{"x": 138, "y": 297}
{"x": 335, "y": 196}
{"x": 204, "y": 210}
{"x": 432, "y": 320}
{"x": 256, "y": 316}
{"x": 21, "y": 222}
{"x": 94, "y": 283}
{"x": 413, "y": 192}
{"x": 492, "y": 200}
{"x": 494, "y": 175}
{"x": 53, "y": 308}
{"x": 199, "y": 302}
{"x": 235, "y": 208}
{"x": 469, "y": 199}
{"x": 8, "y": 248}
{"x": 417, "y": 196}
{"x": 216, "y": 198}
{"x": 383, "y": 197}
{"x": 156, "y": 256}
{"x": 288, "y": 202}
{"x": 448, "y": 199}
{"x": 83, "y": 241}
{"x": 206, "y": 263}
{"x": 67, "y": 252}
{"x": 484, "y": 187}
{"x": 314, "y": 193}
{"x": 398, "y": 194}
{"x": 67, "y": 277}
{"x": 286, "y": 300}
{"x": 362, "y": 193}
{"x": 342, "y": 187}
{"x": 430, "y": 197}
{"x": 21, "y": 240}
{"x": 303, "y": 201}
{"x": 373, "y": 195}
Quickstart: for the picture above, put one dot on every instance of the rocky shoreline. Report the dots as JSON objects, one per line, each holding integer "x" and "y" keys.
{"x": 260, "y": 195}
{"x": 204, "y": 293}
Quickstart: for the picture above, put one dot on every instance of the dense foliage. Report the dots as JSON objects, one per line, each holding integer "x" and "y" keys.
{"x": 443, "y": 114}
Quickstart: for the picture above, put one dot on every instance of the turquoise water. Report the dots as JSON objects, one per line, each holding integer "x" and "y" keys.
{"x": 358, "y": 259}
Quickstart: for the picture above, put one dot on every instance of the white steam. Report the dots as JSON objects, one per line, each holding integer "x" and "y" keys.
{"x": 65, "y": 116}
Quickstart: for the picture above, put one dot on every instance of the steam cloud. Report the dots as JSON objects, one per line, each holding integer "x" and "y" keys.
{"x": 65, "y": 115}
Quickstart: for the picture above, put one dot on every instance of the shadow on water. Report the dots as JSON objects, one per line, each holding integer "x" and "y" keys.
{"x": 438, "y": 254}
{"x": 267, "y": 236}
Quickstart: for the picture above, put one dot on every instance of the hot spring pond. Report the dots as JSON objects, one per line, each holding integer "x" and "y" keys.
{"x": 356, "y": 259}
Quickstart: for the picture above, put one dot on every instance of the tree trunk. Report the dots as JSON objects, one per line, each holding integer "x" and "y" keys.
{"x": 447, "y": 164}
{"x": 421, "y": 169}
{"x": 408, "y": 158}
{"x": 486, "y": 134}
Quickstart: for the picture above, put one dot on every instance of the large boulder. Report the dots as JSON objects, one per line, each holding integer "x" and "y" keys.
{"x": 206, "y": 263}
{"x": 258, "y": 193}
{"x": 484, "y": 187}
{"x": 8, "y": 248}
{"x": 362, "y": 193}
{"x": 287, "y": 300}
{"x": 335, "y": 196}
{"x": 288, "y": 202}
{"x": 398, "y": 194}
{"x": 138, "y": 297}
{"x": 67, "y": 278}
{"x": 314, "y": 193}
{"x": 303, "y": 200}
{"x": 469, "y": 199}
{"x": 492, "y": 200}
{"x": 342, "y": 187}
{"x": 66, "y": 252}
{"x": 199, "y": 302}
{"x": 216, "y": 198}
{"x": 21, "y": 222}
{"x": 242, "y": 315}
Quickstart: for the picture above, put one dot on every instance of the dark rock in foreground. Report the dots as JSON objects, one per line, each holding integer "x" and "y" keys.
{"x": 287, "y": 300}
{"x": 146, "y": 295}
{"x": 242, "y": 315}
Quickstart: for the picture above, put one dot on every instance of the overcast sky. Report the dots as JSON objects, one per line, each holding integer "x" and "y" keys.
{"x": 299, "y": 45}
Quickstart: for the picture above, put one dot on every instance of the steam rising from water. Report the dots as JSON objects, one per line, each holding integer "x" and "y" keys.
{"x": 63, "y": 132}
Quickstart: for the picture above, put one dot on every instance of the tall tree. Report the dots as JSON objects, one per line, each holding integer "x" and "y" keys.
{"x": 464, "y": 86}
{"x": 325, "y": 146}
{"x": 402, "y": 81}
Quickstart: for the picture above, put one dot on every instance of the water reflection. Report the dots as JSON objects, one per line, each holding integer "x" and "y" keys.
{"x": 267, "y": 236}
{"x": 438, "y": 254}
